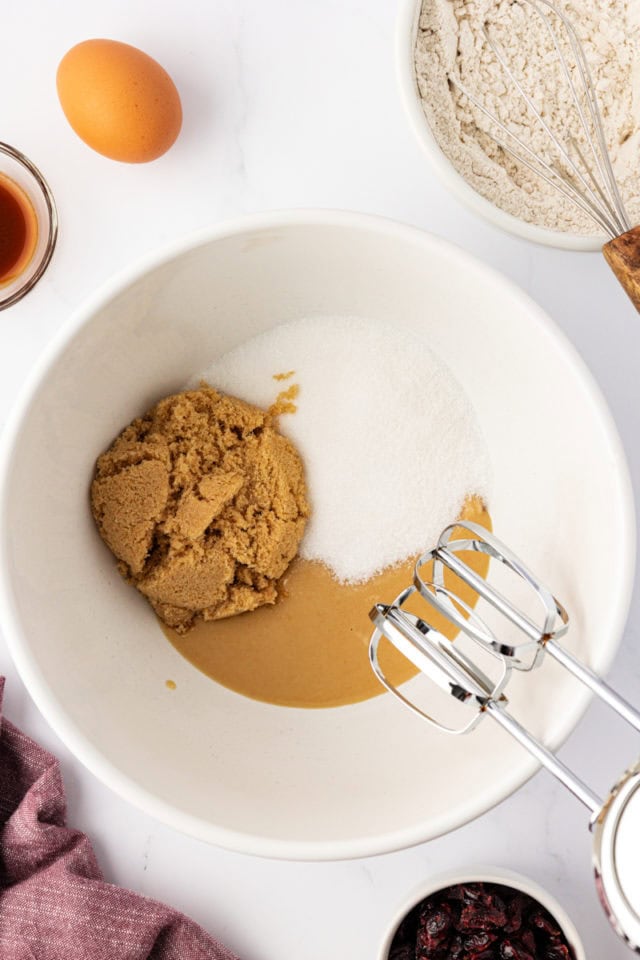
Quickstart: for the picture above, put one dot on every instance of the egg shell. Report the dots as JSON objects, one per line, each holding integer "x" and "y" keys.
{"x": 119, "y": 100}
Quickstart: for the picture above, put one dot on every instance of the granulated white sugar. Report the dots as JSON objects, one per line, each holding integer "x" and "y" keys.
{"x": 390, "y": 443}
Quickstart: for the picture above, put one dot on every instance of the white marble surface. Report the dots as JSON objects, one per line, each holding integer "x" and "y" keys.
{"x": 294, "y": 104}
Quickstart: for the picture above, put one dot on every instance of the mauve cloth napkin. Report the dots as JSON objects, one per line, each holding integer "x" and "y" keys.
{"x": 54, "y": 904}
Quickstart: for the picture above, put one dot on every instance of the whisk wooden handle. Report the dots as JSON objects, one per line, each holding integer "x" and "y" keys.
{"x": 623, "y": 256}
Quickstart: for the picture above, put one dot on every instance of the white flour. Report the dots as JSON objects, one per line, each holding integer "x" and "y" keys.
{"x": 390, "y": 443}
{"x": 450, "y": 41}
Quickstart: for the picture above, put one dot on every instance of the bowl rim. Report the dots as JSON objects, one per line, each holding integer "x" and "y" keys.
{"x": 406, "y": 29}
{"x": 485, "y": 874}
{"x": 36, "y": 682}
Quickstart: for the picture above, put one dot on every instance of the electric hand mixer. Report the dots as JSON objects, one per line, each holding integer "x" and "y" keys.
{"x": 479, "y": 692}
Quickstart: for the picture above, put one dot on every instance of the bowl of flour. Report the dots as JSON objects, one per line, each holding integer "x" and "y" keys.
{"x": 439, "y": 39}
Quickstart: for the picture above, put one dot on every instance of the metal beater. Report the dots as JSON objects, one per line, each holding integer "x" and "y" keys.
{"x": 583, "y": 174}
{"x": 477, "y": 684}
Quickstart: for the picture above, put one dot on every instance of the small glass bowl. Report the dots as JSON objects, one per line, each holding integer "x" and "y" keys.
{"x": 493, "y": 875}
{"x": 22, "y": 171}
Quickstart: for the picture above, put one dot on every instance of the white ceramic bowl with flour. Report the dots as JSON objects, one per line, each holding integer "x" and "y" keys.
{"x": 342, "y": 782}
{"x": 434, "y": 121}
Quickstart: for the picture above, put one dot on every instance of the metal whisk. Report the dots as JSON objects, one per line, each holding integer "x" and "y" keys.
{"x": 582, "y": 174}
{"x": 477, "y": 682}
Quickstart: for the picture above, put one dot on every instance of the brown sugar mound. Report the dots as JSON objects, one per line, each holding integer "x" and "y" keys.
{"x": 204, "y": 504}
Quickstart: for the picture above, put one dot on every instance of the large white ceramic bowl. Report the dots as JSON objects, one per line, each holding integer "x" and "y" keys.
{"x": 284, "y": 782}
{"x": 407, "y": 27}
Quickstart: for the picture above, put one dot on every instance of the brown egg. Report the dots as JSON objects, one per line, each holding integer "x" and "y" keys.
{"x": 119, "y": 100}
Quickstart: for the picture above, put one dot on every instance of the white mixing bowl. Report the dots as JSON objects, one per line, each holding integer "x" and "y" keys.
{"x": 284, "y": 782}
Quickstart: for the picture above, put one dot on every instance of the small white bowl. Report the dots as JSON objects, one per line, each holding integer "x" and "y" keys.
{"x": 407, "y": 27}
{"x": 506, "y": 878}
{"x": 17, "y": 167}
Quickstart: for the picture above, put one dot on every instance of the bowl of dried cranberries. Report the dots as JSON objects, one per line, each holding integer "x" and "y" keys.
{"x": 489, "y": 914}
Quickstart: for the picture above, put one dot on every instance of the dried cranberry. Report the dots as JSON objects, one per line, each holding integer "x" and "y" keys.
{"x": 465, "y": 892}
{"x": 512, "y": 950}
{"x": 404, "y": 951}
{"x": 435, "y": 920}
{"x": 544, "y": 922}
{"x": 428, "y": 947}
{"x": 479, "y": 941}
{"x": 434, "y": 924}
{"x": 514, "y": 914}
{"x": 528, "y": 941}
{"x": 558, "y": 951}
{"x": 482, "y": 916}
{"x": 406, "y": 932}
